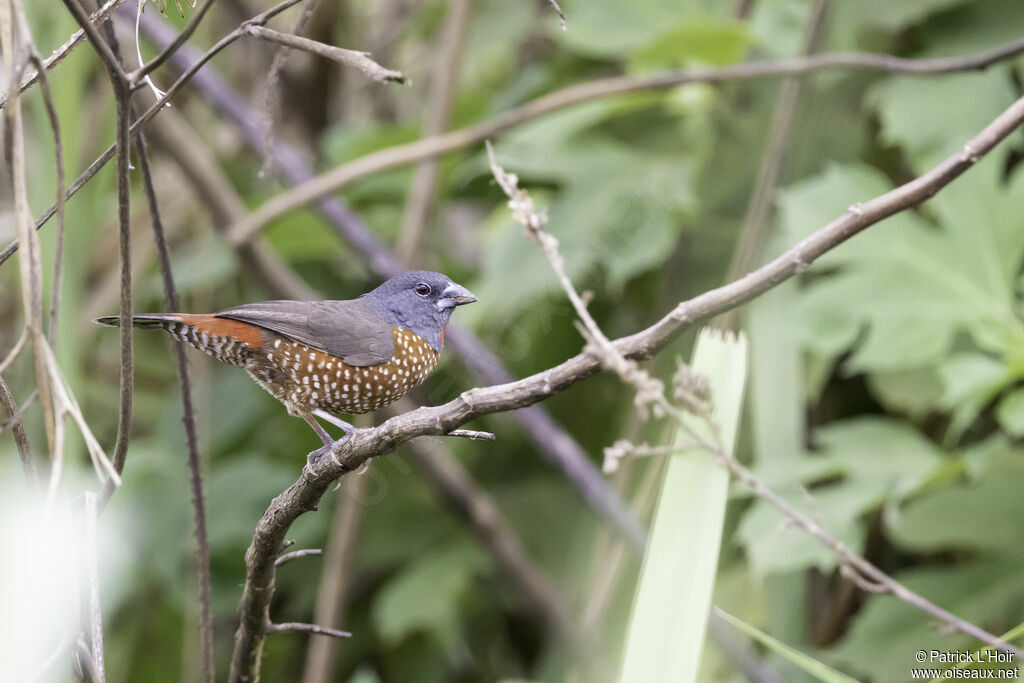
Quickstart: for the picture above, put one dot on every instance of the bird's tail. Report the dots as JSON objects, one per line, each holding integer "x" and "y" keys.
{"x": 143, "y": 320}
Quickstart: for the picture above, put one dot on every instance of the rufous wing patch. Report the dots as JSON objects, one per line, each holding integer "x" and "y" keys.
{"x": 225, "y": 327}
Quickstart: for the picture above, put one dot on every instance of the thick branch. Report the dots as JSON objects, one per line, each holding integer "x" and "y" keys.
{"x": 364, "y": 444}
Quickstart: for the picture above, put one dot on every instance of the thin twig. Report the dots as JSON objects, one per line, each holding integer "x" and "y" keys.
{"x": 750, "y": 243}
{"x": 189, "y": 418}
{"x": 21, "y": 440}
{"x": 558, "y": 10}
{"x": 16, "y": 45}
{"x": 16, "y": 417}
{"x": 153, "y": 110}
{"x": 428, "y": 148}
{"x": 127, "y": 369}
{"x": 438, "y": 111}
{"x": 92, "y": 575}
{"x": 270, "y": 90}
{"x": 612, "y": 358}
{"x": 58, "y": 146}
{"x": 102, "y": 48}
{"x": 353, "y": 58}
{"x": 296, "y": 554}
{"x": 307, "y": 628}
{"x": 63, "y": 51}
{"x": 472, "y": 435}
{"x": 15, "y": 350}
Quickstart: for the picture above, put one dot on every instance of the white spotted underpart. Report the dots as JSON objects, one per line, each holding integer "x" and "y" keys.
{"x": 337, "y": 387}
{"x": 306, "y": 380}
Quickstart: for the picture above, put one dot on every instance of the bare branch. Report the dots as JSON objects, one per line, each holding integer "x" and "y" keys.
{"x": 428, "y": 148}
{"x": 308, "y": 628}
{"x": 58, "y": 55}
{"x": 358, "y": 60}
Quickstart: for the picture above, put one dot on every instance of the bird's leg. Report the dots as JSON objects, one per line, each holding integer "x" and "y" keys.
{"x": 322, "y": 433}
{"x": 336, "y": 421}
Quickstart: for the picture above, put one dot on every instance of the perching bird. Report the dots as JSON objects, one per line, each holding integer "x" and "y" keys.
{"x": 324, "y": 357}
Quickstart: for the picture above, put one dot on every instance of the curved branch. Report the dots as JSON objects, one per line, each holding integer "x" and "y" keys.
{"x": 364, "y": 444}
{"x": 429, "y": 148}
{"x": 551, "y": 441}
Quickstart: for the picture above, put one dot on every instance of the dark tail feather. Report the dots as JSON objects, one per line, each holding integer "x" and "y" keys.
{"x": 144, "y": 320}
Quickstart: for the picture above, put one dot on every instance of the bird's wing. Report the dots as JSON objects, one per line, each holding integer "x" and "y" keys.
{"x": 347, "y": 329}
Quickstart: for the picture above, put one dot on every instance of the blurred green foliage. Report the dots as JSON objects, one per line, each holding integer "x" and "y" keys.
{"x": 906, "y": 344}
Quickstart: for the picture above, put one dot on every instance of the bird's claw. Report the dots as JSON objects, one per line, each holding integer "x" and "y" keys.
{"x": 327, "y": 448}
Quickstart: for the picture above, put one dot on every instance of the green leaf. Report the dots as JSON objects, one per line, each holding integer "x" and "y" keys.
{"x": 608, "y": 29}
{"x": 970, "y": 382}
{"x": 819, "y": 670}
{"x": 881, "y": 643}
{"x": 959, "y": 105}
{"x": 860, "y": 452}
{"x": 1010, "y": 413}
{"x": 911, "y": 392}
{"x": 977, "y": 515}
{"x": 910, "y": 286}
{"x": 426, "y": 596}
{"x": 697, "y": 41}
{"x": 669, "y": 619}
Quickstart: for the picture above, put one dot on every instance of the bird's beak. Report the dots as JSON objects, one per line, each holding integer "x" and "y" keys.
{"x": 455, "y": 295}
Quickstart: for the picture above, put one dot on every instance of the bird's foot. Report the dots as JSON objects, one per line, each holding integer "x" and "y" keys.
{"x": 327, "y": 447}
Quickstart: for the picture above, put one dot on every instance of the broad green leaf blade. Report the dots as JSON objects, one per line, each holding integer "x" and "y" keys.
{"x": 821, "y": 671}
{"x": 666, "y": 634}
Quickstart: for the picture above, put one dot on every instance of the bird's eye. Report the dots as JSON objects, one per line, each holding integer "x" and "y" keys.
{"x": 422, "y": 289}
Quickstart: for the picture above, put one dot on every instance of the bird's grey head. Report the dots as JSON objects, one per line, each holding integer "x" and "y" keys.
{"x": 421, "y": 301}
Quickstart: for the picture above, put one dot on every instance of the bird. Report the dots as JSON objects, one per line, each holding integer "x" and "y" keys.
{"x": 327, "y": 358}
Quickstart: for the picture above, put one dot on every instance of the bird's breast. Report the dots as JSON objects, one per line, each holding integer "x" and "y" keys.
{"x": 306, "y": 379}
